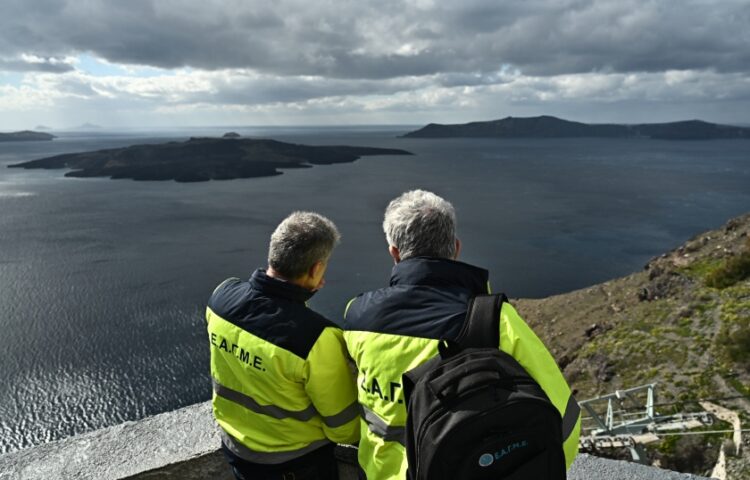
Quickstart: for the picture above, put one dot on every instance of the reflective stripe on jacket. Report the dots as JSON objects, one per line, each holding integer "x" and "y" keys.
{"x": 397, "y": 328}
{"x": 282, "y": 385}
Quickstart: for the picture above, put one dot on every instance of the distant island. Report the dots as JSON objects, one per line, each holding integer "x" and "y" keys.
{"x": 202, "y": 159}
{"x": 25, "y": 136}
{"x": 552, "y": 127}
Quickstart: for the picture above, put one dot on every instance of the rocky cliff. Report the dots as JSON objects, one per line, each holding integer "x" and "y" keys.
{"x": 684, "y": 322}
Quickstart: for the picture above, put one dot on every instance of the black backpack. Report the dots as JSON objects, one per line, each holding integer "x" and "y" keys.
{"x": 473, "y": 412}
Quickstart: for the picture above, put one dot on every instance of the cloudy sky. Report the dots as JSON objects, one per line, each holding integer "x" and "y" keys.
{"x": 142, "y": 63}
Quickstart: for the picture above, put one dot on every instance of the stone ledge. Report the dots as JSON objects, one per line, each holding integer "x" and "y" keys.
{"x": 184, "y": 444}
{"x": 179, "y": 444}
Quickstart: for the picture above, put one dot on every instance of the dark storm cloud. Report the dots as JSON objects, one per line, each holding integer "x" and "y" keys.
{"x": 284, "y": 90}
{"x": 387, "y": 39}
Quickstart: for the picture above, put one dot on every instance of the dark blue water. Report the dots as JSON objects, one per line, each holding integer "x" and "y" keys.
{"x": 103, "y": 283}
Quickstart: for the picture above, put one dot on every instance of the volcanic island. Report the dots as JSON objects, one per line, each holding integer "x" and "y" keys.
{"x": 203, "y": 159}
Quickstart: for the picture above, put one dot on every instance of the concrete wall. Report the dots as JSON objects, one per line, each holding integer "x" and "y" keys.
{"x": 162, "y": 446}
{"x": 183, "y": 444}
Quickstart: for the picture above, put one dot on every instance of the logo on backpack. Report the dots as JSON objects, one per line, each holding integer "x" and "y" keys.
{"x": 488, "y": 459}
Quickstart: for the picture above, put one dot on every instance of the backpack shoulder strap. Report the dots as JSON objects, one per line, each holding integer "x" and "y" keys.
{"x": 481, "y": 328}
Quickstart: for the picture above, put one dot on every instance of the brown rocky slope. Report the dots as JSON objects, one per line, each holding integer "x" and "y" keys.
{"x": 683, "y": 322}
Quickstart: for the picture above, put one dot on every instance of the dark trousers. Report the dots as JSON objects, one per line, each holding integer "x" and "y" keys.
{"x": 320, "y": 464}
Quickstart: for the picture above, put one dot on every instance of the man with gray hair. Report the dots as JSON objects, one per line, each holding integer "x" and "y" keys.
{"x": 283, "y": 394}
{"x": 397, "y": 328}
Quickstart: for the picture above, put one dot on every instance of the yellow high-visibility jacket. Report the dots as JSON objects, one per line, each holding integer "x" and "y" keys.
{"x": 395, "y": 329}
{"x": 282, "y": 386}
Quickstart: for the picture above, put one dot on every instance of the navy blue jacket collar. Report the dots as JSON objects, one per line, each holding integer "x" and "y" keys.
{"x": 279, "y": 288}
{"x": 440, "y": 272}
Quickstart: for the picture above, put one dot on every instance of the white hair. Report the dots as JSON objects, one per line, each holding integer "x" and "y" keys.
{"x": 300, "y": 241}
{"x": 421, "y": 224}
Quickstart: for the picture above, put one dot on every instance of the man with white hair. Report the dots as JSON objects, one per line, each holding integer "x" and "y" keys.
{"x": 397, "y": 328}
{"x": 283, "y": 391}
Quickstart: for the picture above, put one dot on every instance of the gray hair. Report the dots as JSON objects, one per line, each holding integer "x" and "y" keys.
{"x": 421, "y": 224}
{"x": 300, "y": 241}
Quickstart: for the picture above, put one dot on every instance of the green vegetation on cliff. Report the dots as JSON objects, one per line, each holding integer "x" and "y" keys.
{"x": 683, "y": 322}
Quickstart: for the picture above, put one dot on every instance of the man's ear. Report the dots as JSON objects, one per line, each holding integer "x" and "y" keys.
{"x": 394, "y": 253}
{"x": 458, "y": 249}
{"x": 315, "y": 269}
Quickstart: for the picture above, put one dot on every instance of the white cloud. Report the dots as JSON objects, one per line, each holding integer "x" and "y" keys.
{"x": 405, "y": 58}
{"x": 246, "y": 90}
{"x": 25, "y": 62}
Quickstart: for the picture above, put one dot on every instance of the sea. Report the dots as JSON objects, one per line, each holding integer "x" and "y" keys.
{"x": 103, "y": 283}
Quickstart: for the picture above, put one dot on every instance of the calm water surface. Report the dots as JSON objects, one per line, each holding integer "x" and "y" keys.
{"x": 103, "y": 283}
